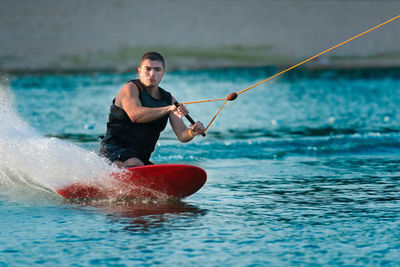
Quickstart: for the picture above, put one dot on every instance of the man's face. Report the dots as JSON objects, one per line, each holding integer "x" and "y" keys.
{"x": 151, "y": 72}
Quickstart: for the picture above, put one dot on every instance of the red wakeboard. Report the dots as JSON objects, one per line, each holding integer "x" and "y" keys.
{"x": 162, "y": 181}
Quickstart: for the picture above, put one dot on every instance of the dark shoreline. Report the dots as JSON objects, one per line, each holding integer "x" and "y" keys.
{"x": 306, "y": 69}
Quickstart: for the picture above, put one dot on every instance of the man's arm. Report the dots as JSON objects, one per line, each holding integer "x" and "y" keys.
{"x": 128, "y": 99}
{"x": 183, "y": 133}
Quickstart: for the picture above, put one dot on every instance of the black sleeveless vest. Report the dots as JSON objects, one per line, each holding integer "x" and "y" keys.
{"x": 139, "y": 136}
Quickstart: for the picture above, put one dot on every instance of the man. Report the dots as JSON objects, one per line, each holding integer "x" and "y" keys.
{"x": 139, "y": 113}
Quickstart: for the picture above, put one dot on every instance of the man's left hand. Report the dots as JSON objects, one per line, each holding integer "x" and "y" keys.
{"x": 197, "y": 128}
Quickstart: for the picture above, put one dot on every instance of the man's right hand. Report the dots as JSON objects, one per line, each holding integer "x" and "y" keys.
{"x": 180, "y": 111}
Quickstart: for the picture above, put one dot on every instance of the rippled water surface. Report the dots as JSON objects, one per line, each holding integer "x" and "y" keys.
{"x": 302, "y": 170}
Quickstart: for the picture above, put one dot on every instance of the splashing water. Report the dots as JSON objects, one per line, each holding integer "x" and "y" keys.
{"x": 33, "y": 163}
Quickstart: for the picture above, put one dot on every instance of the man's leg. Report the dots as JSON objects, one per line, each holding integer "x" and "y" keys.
{"x": 131, "y": 162}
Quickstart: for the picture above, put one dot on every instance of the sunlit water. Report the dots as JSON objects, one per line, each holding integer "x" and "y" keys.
{"x": 302, "y": 170}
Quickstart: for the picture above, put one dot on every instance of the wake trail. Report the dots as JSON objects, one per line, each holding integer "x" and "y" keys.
{"x": 31, "y": 161}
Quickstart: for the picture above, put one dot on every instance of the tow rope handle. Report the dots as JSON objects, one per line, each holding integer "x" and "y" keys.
{"x": 189, "y": 118}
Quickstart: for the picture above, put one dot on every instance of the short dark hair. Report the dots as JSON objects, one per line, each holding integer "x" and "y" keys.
{"x": 153, "y": 56}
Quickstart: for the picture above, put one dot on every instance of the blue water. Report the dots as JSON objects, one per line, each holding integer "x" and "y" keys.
{"x": 302, "y": 170}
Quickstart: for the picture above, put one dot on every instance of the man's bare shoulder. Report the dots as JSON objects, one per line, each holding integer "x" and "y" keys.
{"x": 129, "y": 90}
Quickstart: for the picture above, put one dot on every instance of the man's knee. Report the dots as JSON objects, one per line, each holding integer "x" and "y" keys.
{"x": 131, "y": 162}
{"x": 119, "y": 164}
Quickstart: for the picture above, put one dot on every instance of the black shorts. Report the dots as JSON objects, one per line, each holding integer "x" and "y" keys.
{"x": 113, "y": 150}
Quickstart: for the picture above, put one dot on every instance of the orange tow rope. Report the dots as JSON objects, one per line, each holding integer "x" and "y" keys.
{"x": 233, "y": 96}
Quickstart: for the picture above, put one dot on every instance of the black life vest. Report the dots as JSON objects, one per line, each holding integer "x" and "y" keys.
{"x": 140, "y": 136}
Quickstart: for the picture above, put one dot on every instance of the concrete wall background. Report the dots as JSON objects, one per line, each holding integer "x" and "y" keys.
{"x": 102, "y": 34}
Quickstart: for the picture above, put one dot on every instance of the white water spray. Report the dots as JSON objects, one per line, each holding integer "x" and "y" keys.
{"x": 30, "y": 160}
